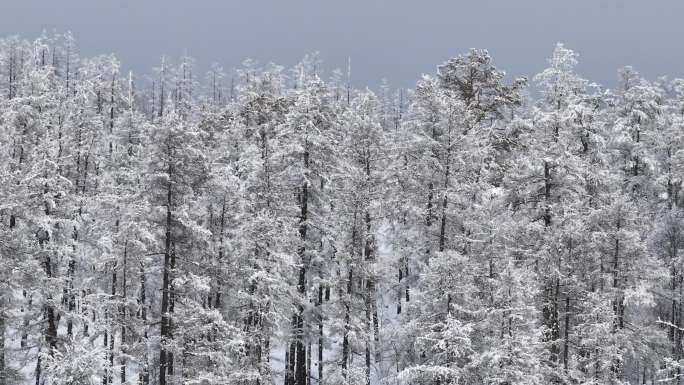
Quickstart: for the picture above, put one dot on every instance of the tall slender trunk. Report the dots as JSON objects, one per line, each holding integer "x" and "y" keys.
{"x": 69, "y": 289}
{"x": 38, "y": 369}
{"x": 84, "y": 311}
{"x": 347, "y": 321}
{"x": 406, "y": 276}
{"x": 566, "y": 340}
{"x": 111, "y": 116}
{"x": 290, "y": 355}
{"x": 308, "y": 363}
{"x": 547, "y": 195}
{"x": 369, "y": 255}
{"x": 51, "y": 332}
{"x": 161, "y": 90}
{"x": 112, "y": 332}
{"x": 618, "y": 301}
{"x": 105, "y": 339}
{"x": 48, "y": 308}
{"x": 368, "y": 333}
{"x": 320, "y": 334}
{"x": 370, "y": 251}
{"x": 123, "y": 315}
{"x": 3, "y": 373}
{"x": 217, "y": 300}
{"x": 144, "y": 376}
{"x": 430, "y": 197}
{"x": 678, "y": 340}
{"x": 288, "y": 368}
{"x": 550, "y": 306}
{"x": 400, "y": 293}
{"x": 442, "y": 226}
{"x": 172, "y": 303}
{"x": 618, "y": 305}
{"x": 165, "y": 316}
{"x": 300, "y": 362}
{"x": 10, "y": 83}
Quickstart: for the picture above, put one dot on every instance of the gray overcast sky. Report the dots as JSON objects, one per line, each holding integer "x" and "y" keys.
{"x": 397, "y": 39}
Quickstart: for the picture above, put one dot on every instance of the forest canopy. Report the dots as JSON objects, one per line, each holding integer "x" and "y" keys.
{"x": 271, "y": 226}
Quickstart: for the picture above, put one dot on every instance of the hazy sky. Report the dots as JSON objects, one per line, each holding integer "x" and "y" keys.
{"x": 398, "y": 39}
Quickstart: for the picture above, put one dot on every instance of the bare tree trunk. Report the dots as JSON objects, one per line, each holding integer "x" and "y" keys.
{"x": 369, "y": 255}
{"x": 111, "y": 116}
{"x": 11, "y": 77}
{"x": 144, "y": 377}
{"x": 347, "y": 319}
{"x": 112, "y": 333}
{"x": 38, "y": 369}
{"x": 3, "y": 370}
{"x": 368, "y": 337}
{"x": 406, "y": 276}
{"x": 618, "y": 302}
{"x": 123, "y": 316}
{"x": 550, "y": 307}
{"x": 164, "y": 357}
{"x": 290, "y": 357}
{"x": 105, "y": 339}
{"x": 300, "y": 368}
{"x": 320, "y": 334}
{"x": 51, "y": 335}
{"x": 161, "y": 90}
{"x": 308, "y": 363}
{"x": 566, "y": 341}
{"x": 3, "y": 373}
{"x": 172, "y": 303}
{"x": 84, "y": 311}
{"x": 288, "y": 368}
{"x": 400, "y": 293}
{"x": 217, "y": 301}
{"x": 678, "y": 341}
{"x": 69, "y": 289}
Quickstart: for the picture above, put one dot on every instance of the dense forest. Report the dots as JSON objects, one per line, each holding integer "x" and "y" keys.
{"x": 277, "y": 226}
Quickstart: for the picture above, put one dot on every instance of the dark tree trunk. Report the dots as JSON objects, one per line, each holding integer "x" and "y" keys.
{"x": 112, "y": 333}
{"x": 84, "y": 311}
{"x": 406, "y": 276}
{"x": 370, "y": 283}
{"x": 618, "y": 301}
{"x": 105, "y": 373}
{"x": 400, "y": 293}
{"x": 123, "y": 316}
{"x": 550, "y": 306}
{"x": 447, "y": 169}
{"x": 51, "y": 335}
{"x": 566, "y": 341}
{"x": 3, "y": 373}
{"x": 300, "y": 362}
{"x": 320, "y": 334}
{"x": 308, "y": 363}
{"x": 172, "y": 303}
{"x": 292, "y": 356}
{"x": 69, "y": 289}
{"x": 161, "y": 91}
{"x": 38, "y": 371}
{"x": 288, "y": 369}
{"x": 111, "y": 117}
{"x": 144, "y": 376}
{"x": 164, "y": 356}
{"x": 347, "y": 319}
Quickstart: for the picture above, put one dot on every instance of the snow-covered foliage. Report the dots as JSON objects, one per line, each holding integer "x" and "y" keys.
{"x": 271, "y": 226}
